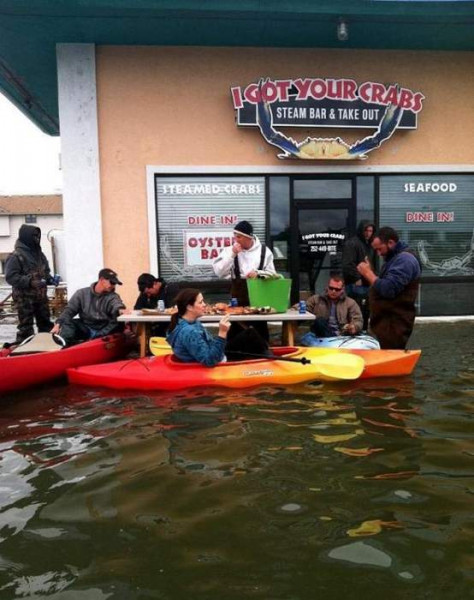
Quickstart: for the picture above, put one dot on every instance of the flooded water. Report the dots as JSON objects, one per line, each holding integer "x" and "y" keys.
{"x": 355, "y": 490}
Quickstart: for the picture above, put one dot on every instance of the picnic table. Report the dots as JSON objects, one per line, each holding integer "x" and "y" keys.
{"x": 289, "y": 321}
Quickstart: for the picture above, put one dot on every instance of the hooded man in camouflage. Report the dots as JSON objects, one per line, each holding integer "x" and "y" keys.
{"x": 27, "y": 271}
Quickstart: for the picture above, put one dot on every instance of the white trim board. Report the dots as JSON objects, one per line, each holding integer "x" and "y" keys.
{"x": 307, "y": 168}
{"x": 77, "y": 95}
{"x": 444, "y": 319}
{"x": 152, "y": 224}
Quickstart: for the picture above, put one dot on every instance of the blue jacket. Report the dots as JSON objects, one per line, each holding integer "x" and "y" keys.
{"x": 192, "y": 343}
{"x": 399, "y": 269}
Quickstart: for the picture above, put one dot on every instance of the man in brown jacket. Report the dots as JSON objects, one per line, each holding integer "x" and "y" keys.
{"x": 336, "y": 314}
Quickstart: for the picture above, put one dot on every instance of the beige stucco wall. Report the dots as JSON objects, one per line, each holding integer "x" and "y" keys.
{"x": 172, "y": 106}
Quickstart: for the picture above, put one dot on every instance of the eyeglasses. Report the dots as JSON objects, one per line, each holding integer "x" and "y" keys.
{"x": 334, "y": 289}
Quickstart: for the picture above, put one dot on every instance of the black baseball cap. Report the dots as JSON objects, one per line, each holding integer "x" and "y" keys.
{"x": 110, "y": 275}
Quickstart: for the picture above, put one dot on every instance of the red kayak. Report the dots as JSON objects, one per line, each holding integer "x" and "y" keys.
{"x": 288, "y": 366}
{"x": 25, "y": 370}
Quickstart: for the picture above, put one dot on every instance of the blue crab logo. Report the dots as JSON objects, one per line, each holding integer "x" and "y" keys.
{"x": 325, "y": 148}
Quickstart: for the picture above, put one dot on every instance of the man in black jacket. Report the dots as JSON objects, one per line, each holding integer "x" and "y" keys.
{"x": 27, "y": 271}
{"x": 152, "y": 289}
{"x": 358, "y": 249}
{"x": 97, "y": 306}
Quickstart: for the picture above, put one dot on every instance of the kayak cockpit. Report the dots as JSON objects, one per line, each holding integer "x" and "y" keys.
{"x": 277, "y": 352}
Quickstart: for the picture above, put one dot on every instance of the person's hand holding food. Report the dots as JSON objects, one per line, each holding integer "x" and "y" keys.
{"x": 349, "y": 329}
{"x": 224, "y": 326}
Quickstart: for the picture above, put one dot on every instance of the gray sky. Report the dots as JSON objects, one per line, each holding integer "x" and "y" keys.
{"x": 29, "y": 159}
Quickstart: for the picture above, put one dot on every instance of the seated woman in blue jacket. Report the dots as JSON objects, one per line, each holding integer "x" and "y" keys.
{"x": 190, "y": 341}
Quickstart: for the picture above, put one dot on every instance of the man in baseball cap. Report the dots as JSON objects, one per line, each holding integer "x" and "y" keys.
{"x": 110, "y": 275}
{"x": 97, "y": 307}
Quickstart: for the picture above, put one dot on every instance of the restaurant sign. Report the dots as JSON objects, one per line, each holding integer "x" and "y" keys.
{"x": 326, "y": 241}
{"x": 307, "y": 102}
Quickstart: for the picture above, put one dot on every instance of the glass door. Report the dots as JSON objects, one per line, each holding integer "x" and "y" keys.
{"x": 320, "y": 227}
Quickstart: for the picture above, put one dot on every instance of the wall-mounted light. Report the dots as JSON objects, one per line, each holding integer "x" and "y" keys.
{"x": 342, "y": 31}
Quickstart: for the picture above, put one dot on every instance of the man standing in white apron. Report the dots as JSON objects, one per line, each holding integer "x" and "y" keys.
{"x": 247, "y": 258}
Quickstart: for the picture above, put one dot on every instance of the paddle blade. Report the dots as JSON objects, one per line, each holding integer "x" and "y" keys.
{"x": 340, "y": 366}
{"x": 159, "y": 346}
{"x": 40, "y": 342}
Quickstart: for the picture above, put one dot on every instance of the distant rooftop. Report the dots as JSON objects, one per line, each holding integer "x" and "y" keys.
{"x": 31, "y": 205}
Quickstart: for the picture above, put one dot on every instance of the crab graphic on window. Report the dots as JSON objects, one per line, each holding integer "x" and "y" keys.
{"x": 455, "y": 265}
{"x": 325, "y": 148}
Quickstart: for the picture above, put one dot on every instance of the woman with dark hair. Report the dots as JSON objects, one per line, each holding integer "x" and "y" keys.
{"x": 190, "y": 341}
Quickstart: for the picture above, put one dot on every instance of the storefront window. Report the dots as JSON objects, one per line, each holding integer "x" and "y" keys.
{"x": 322, "y": 189}
{"x": 434, "y": 214}
{"x": 196, "y": 216}
{"x": 279, "y": 198}
{"x": 365, "y": 199}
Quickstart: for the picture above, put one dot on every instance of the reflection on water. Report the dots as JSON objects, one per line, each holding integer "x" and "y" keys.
{"x": 336, "y": 490}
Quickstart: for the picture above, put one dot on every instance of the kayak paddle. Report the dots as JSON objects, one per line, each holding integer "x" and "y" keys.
{"x": 159, "y": 346}
{"x": 335, "y": 366}
{"x": 340, "y": 366}
{"x": 303, "y": 360}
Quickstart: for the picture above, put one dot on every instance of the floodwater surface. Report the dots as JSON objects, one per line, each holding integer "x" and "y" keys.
{"x": 353, "y": 490}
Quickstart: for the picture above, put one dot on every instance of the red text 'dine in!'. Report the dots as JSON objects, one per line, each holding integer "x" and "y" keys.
{"x": 199, "y": 220}
{"x": 429, "y": 217}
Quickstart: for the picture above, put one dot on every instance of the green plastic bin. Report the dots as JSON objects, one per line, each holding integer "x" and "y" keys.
{"x": 270, "y": 292}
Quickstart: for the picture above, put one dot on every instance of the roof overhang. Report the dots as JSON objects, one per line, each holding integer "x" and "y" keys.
{"x": 30, "y": 30}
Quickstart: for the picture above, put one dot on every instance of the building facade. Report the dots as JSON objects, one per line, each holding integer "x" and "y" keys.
{"x": 176, "y": 171}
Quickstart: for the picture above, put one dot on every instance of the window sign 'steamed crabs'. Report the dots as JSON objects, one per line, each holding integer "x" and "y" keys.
{"x": 325, "y": 148}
